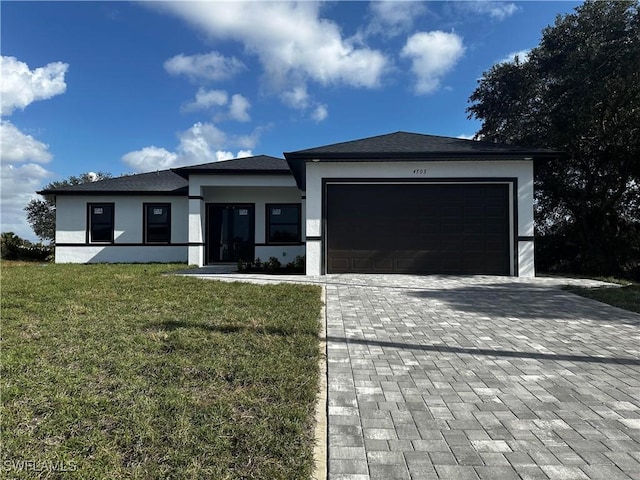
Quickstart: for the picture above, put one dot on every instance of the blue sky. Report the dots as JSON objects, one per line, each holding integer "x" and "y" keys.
{"x": 127, "y": 87}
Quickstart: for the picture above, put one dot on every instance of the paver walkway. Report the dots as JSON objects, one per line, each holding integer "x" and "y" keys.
{"x": 476, "y": 378}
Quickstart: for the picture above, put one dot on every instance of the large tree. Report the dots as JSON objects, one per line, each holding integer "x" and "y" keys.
{"x": 577, "y": 92}
{"x": 41, "y": 212}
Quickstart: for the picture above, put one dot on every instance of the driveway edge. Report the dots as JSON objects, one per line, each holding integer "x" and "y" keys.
{"x": 320, "y": 432}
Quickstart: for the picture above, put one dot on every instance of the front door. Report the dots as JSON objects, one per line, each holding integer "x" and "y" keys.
{"x": 230, "y": 232}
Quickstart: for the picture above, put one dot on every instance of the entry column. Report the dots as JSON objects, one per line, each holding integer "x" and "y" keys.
{"x": 196, "y": 229}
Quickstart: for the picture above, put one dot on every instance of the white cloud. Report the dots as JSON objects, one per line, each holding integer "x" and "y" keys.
{"x": 297, "y": 97}
{"x": 392, "y": 17}
{"x": 19, "y": 184}
{"x": 292, "y": 42}
{"x": 222, "y": 155}
{"x": 433, "y": 54}
{"x": 465, "y": 136}
{"x": 320, "y": 113}
{"x": 206, "y": 99}
{"x": 21, "y": 86}
{"x": 202, "y": 143}
{"x": 496, "y": 10}
{"x": 21, "y": 153}
{"x": 199, "y": 143}
{"x": 523, "y": 56}
{"x": 238, "y": 108}
{"x": 20, "y": 147}
{"x": 211, "y": 66}
{"x": 295, "y": 46}
{"x": 150, "y": 158}
{"x": 21, "y": 176}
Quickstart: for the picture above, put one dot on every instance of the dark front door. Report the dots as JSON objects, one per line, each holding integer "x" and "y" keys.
{"x": 230, "y": 232}
{"x": 418, "y": 228}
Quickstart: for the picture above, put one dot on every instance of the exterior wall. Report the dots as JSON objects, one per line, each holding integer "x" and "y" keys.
{"x": 254, "y": 189}
{"x": 121, "y": 254}
{"x": 423, "y": 171}
{"x": 71, "y": 230}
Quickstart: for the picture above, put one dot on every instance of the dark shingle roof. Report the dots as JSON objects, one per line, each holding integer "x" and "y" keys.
{"x": 174, "y": 181}
{"x": 405, "y": 146}
{"x": 260, "y": 164}
{"x": 164, "y": 182}
{"x": 410, "y": 143}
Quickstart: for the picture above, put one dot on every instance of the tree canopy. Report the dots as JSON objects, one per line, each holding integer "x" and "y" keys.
{"x": 578, "y": 92}
{"x": 41, "y": 212}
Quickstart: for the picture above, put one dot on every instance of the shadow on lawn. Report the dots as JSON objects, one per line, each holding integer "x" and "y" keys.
{"x": 172, "y": 325}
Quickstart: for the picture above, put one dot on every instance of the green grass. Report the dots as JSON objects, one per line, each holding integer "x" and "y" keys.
{"x": 626, "y": 296}
{"x": 115, "y": 371}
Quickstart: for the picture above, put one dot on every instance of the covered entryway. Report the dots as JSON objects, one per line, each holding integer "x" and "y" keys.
{"x": 396, "y": 227}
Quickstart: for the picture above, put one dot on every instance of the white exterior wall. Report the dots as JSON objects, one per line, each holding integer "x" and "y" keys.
{"x": 259, "y": 190}
{"x": 71, "y": 230}
{"x": 423, "y": 171}
{"x": 121, "y": 254}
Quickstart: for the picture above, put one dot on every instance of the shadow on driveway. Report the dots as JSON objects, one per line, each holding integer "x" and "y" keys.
{"x": 488, "y": 352}
{"x": 524, "y": 300}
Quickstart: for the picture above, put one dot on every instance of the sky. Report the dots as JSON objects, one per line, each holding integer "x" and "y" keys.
{"x": 127, "y": 87}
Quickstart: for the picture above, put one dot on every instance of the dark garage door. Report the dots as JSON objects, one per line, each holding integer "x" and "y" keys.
{"x": 417, "y": 228}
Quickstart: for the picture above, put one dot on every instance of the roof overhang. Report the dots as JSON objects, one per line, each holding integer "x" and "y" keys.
{"x": 181, "y": 192}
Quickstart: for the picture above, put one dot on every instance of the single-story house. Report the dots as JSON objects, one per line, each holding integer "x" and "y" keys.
{"x": 396, "y": 203}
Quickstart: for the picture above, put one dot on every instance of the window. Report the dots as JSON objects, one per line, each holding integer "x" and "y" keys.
{"x": 101, "y": 222}
{"x": 283, "y": 223}
{"x": 157, "y": 223}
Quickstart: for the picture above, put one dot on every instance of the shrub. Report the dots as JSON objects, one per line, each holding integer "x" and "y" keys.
{"x": 273, "y": 265}
{"x": 12, "y": 247}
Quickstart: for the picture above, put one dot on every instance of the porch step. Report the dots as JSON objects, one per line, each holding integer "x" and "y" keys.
{"x": 219, "y": 268}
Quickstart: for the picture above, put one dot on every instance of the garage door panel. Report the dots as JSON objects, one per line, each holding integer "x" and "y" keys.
{"x": 493, "y": 229}
{"x": 417, "y": 228}
{"x": 383, "y": 264}
{"x": 339, "y": 263}
{"x": 452, "y": 228}
{"x": 473, "y": 228}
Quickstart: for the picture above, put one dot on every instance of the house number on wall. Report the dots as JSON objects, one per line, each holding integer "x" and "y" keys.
{"x": 419, "y": 171}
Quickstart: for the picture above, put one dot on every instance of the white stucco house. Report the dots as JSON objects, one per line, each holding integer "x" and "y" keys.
{"x": 396, "y": 203}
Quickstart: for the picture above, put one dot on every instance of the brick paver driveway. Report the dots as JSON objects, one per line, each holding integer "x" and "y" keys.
{"x": 479, "y": 377}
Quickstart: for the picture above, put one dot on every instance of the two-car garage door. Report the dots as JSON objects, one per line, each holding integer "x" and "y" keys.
{"x": 449, "y": 228}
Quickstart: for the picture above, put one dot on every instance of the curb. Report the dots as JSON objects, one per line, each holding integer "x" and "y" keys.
{"x": 320, "y": 433}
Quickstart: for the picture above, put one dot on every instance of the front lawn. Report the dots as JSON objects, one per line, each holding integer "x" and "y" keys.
{"x": 116, "y": 371}
{"x": 626, "y": 296}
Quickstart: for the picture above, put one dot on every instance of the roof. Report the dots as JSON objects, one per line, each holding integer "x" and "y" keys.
{"x": 412, "y": 143}
{"x": 406, "y": 146}
{"x": 398, "y": 146}
{"x": 259, "y": 164}
{"x": 162, "y": 182}
{"x": 174, "y": 181}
